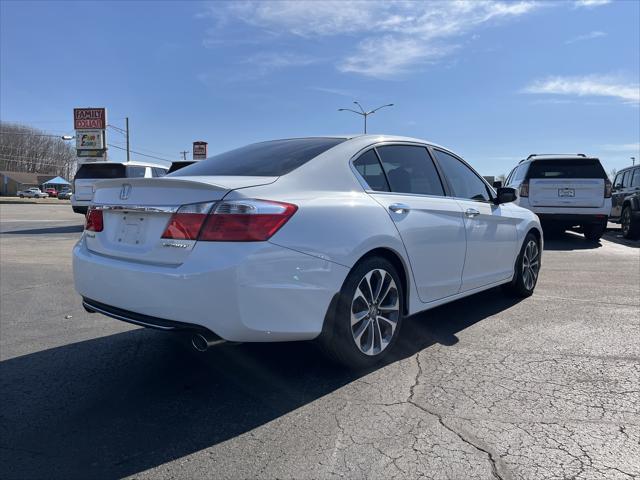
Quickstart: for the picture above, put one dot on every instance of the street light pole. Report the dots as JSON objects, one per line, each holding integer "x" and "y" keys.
{"x": 363, "y": 113}
{"x": 633, "y": 161}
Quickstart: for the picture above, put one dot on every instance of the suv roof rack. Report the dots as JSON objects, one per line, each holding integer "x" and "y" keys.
{"x": 553, "y": 155}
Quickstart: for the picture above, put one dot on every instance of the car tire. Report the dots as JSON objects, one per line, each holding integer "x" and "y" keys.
{"x": 593, "y": 232}
{"x": 21, "y": 196}
{"x": 630, "y": 228}
{"x": 527, "y": 269}
{"x": 363, "y": 338}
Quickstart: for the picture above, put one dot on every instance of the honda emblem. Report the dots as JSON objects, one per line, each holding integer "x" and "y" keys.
{"x": 125, "y": 191}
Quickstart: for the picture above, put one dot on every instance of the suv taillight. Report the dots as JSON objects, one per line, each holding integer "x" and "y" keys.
{"x": 94, "y": 220}
{"x": 607, "y": 188}
{"x": 230, "y": 221}
{"x": 524, "y": 189}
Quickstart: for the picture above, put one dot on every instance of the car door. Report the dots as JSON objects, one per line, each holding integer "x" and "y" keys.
{"x": 617, "y": 195}
{"x": 490, "y": 228}
{"x": 404, "y": 180}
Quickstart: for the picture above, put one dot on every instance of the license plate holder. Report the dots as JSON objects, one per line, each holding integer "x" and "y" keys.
{"x": 132, "y": 228}
{"x": 566, "y": 192}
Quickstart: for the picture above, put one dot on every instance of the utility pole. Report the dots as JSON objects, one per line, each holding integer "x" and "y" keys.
{"x": 364, "y": 113}
{"x": 127, "y": 129}
{"x": 184, "y": 154}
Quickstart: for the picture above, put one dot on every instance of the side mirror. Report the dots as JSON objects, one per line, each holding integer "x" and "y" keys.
{"x": 497, "y": 184}
{"x": 506, "y": 195}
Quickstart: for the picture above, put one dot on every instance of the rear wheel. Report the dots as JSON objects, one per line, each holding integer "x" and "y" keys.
{"x": 527, "y": 269}
{"x": 630, "y": 228}
{"x": 367, "y": 317}
{"x": 594, "y": 232}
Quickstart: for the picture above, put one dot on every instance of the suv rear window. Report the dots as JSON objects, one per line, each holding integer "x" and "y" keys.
{"x": 567, "y": 168}
{"x": 115, "y": 170}
{"x": 268, "y": 159}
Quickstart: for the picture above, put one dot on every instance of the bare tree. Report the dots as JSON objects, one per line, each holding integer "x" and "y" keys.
{"x": 27, "y": 149}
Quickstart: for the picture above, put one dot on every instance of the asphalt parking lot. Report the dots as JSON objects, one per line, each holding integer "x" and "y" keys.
{"x": 486, "y": 387}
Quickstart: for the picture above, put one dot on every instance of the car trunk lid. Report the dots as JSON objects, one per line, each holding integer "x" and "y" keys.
{"x": 136, "y": 212}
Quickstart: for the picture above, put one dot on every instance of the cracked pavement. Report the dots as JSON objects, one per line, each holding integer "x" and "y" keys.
{"x": 483, "y": 388}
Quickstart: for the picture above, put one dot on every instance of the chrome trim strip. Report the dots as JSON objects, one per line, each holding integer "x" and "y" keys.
{"x": 125, "y": 319}
{"x": 139, "y": 208}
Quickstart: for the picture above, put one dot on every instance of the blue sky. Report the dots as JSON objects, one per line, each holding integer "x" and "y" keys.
{"x": 493, "y": 81}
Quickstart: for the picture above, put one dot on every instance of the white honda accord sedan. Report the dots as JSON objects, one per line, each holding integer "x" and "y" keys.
{"x": 329, "y": 238}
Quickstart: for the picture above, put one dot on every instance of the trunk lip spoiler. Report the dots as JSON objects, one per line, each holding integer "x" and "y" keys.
{"x": 139, "y": 208}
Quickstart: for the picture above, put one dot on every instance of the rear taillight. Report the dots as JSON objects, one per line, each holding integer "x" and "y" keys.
{"x": 186, "y": 223}
{"x": 246, "y": 220}
{"x": 94, "y": 220}
{"x": 231, "y": 221}
{"x": 524, "y": 189}
{"x": 607, "y": 188}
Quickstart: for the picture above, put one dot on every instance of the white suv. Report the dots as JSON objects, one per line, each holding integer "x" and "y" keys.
{"x": 565, "y": 191}
{"x": 92, "y": 172}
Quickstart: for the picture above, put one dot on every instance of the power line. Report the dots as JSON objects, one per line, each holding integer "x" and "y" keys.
{"x": 141, "y": 154}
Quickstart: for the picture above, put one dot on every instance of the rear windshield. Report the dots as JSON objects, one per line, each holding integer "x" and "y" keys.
{"x": 570, "y": 168}
{"x": 268, "y": 159}
{"x": 102, "y": 170}
{"x": 178, "y": 165}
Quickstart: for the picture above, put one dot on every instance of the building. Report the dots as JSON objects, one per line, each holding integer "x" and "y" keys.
{"x": 12, "y": 182}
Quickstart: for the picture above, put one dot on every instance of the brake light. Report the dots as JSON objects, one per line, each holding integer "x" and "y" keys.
{"x": 246, "y": 220}
{"x": 93, "y": 221}
{"x": 607, "y": 188}
{"x": 524, "y": 189}
{"x": 186, "y": 223}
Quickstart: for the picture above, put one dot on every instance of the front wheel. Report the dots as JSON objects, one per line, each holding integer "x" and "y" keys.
{"x": 630, "y": 228}
{"x": 527, "y": 268}
{"x": 368, "y": 315}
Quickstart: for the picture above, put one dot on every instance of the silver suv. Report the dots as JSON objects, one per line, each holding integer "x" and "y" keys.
{"x": 565, "y": 191}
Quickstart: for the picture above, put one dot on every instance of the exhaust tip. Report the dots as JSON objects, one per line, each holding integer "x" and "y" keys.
{"x": 201, "y": 342}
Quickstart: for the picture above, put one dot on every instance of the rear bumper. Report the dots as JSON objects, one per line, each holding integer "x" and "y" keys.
{"x": 250, "y": 292}
{"x": 573, "y": 219}
{"x": 79, "y": 206}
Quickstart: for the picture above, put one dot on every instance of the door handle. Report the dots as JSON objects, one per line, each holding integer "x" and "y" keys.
{"x": 399, "y": 208}
{"x": 471, "y": 213}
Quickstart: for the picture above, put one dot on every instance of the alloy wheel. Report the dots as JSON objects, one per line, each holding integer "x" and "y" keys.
{"x": 530, "y": 264}
{"x": 375, "y": 311}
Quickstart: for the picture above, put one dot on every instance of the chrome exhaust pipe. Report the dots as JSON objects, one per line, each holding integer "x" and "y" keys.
{"x": 202, "y": 341}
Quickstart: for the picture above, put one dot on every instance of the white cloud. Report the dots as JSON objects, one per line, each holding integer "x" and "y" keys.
{"x": 334, "y": 91}
{"x": 393, "y": 36}
{"x": 586, "y": 36}
{"x": 590, "y": 3}
{"x": 591, "y": 85}
{"x": 275, "y": 60}
{"x": 623, "y": 147}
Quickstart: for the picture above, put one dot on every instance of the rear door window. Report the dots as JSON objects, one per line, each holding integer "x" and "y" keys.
{"x": 635, "y": 181}
{"x": 410, "y": 169}
{"x": 135, "y": 172}
{"x": 368, "y": 166}
{"x": 567, "y": 168}
{"x": 464, "y": 181}
{"x": 101, "y": 170}
{"x": 158, "y": 172}
{"x": 268, "y": 159}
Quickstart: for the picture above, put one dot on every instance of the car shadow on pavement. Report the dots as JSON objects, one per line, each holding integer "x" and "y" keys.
{"x": 47, "y": 230}
{"x": 564, "y": 241}
{"x": 615, "y": 236}
{"x": 118, "y": 405}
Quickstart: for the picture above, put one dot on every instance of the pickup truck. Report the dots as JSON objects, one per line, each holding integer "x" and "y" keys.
{"x": 33, "y": 192}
